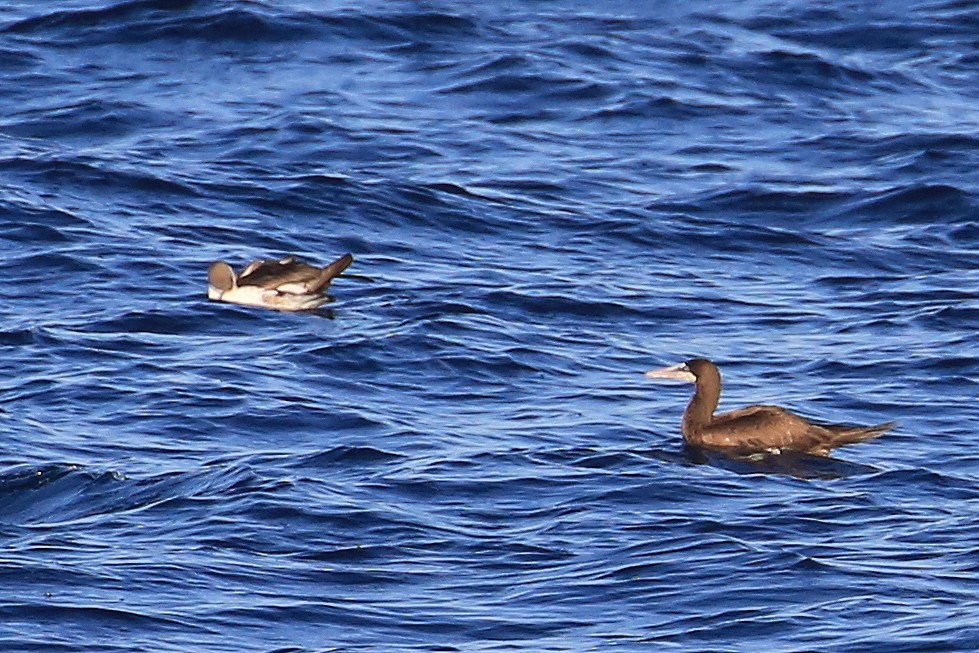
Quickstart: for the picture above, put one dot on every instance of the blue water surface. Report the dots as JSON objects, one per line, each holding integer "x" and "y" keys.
{"x": 544, "y": 200}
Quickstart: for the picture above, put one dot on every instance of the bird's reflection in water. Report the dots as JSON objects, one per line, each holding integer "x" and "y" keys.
{"x": 789, "y": 463}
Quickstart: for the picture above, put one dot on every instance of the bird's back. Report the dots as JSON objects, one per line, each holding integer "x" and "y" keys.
{"x": 292, "y": 275}
{"x": 272, "y": 274}
{"x": 772, "y": 428}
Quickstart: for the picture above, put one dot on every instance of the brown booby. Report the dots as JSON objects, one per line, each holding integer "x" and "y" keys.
{"x": 755, "y": 429}
{"x": 285, "y": 285}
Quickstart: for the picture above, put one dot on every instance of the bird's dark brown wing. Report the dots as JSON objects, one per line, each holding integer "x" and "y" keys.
{"x": 272, "y": 274}
{"x": 761, "y": 428}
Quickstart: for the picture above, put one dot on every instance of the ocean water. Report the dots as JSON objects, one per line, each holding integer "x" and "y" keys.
{"x": 544, "y": 200}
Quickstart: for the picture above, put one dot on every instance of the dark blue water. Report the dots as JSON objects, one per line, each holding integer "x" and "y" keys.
{"x": 545, "y": 200}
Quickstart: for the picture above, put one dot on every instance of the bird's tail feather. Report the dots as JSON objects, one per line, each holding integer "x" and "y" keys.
{"x": 849, "y": 434}
{"x": 330, "y": 272}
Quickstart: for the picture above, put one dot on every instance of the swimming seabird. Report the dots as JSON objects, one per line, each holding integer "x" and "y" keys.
{"x": 755, "y": 429}
{"x": 286, "y": 285}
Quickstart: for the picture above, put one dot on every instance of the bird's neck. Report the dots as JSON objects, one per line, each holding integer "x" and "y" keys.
{"x": 700, "y": 411}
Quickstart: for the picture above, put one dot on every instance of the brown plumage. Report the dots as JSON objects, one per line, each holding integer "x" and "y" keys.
{"x": 755, "y": 429}
{"x": 286, "y": 285}
{"x": 275, "y": 274}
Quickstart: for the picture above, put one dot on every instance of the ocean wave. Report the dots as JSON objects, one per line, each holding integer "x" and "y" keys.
{"x": 212, "y": 21}
{"x": 461, "y": 451}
